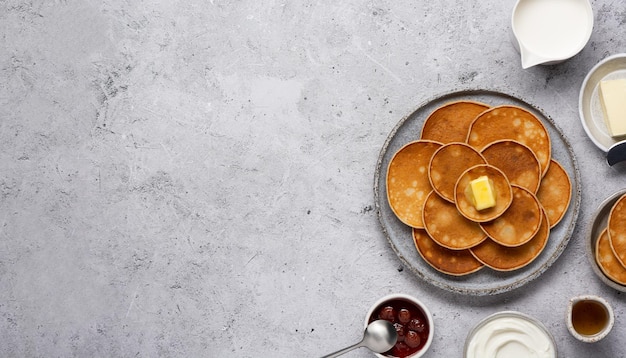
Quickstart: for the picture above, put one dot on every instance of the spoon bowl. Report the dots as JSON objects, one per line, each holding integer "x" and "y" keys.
{"x": 379, "y": 336}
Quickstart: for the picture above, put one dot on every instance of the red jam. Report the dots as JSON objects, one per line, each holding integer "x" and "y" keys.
{"x": 410, "y": 322}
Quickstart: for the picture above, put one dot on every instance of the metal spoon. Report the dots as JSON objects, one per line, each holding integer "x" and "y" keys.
{"x": 379, "y": 336}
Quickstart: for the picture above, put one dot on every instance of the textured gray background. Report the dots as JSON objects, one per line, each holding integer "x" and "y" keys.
{"x": 196, "y": 178}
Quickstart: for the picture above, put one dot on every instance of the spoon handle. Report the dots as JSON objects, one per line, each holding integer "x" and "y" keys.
{"x": 616, "y": 153}
{"x": 345, "y": 350}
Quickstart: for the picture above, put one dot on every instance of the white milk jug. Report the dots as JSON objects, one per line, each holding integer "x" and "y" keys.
{"x": 550, "y": 31}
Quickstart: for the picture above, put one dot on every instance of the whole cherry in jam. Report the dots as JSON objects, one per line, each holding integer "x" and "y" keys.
{"x": 404, "y": 316}
{"x": 410, "y": 323}
{"x": 388, "y": 313}
{"x": 412, "y": 339}
{"x": 417, "y": 325}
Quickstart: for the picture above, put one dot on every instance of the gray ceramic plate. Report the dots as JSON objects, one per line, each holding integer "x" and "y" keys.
{"x": 485, "y": 281}
{"x": 589, "y": 106}
{"x": 599, "y": 222}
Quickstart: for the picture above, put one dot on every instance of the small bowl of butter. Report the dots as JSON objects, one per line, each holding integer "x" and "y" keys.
{"x": 510, "y": 334}
{"x": 601, "y": 107}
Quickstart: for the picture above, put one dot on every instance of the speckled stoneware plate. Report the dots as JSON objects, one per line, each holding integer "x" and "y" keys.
{"x": 589, "y": 106}
{"x": 485, "y": 281}
{"x": 597, "y": 224}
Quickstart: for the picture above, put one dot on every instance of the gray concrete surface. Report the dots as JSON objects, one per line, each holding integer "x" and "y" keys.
{"x": 195, "y": 179}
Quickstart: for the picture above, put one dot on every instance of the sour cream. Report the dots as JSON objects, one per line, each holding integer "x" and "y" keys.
{"x": 509, "y": 335}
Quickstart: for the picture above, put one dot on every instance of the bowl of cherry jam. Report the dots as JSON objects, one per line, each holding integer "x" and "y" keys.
{"x": 412, "y": 320}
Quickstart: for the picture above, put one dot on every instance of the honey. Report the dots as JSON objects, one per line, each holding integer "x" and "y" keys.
{"x": 589, "y": 317}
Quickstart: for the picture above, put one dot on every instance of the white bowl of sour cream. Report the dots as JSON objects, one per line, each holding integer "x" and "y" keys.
{"x": 509, "y": 334}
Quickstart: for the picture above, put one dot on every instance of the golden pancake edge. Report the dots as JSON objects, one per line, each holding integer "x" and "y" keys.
{"x": 446, "y": 226}
{"x": 512, "y": 122}
{"x": 450, "y": 122}
{"x": 517, "y": 161}
{"x": 555, "y": 192}
{"x": 407, "y": 181}
{"x": 607, "y": 261}
{"x": 447, "y": 165}
{"x": 616, "y": 227}
{"x": 519, "y": 223}
{"x": 451, "y": 262}
{"x": 503, "y": 258}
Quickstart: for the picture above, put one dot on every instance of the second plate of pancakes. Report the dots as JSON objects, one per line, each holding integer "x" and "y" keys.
{"x": 501, "y": 276}
{"x": 602, "y": 256}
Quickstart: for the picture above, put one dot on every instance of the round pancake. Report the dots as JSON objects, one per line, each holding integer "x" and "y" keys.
{"x": 450, "y": 122}
{"x": 407, "y": 181}
{"x": 511, "y": 122}
{"x": 503, "y": 258}
{"x": 617, "y": 229}
{"x": 447, "y": 227}
{"x": 517, "y": 161}
{"x": 502, "y": 189}
{"x": 608, "y": 263}
{"x": 448, "y": 163}
{"x": 451, "y": 262}
{"x": 555, "y": 192}
{"x": 519, "y": 223}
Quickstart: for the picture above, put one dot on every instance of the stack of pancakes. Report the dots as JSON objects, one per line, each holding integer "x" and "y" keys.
{"x": 611, "y": 244}
{"x": 461, "y": 141}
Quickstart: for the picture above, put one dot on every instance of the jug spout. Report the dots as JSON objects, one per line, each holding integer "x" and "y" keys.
{"x": 530, "y": 59}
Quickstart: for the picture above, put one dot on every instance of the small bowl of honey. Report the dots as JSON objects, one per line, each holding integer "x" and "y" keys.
{"x": 589, "y": 318}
